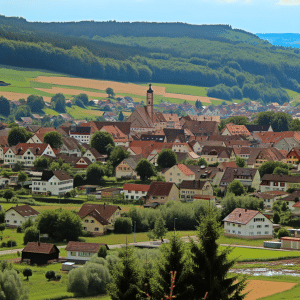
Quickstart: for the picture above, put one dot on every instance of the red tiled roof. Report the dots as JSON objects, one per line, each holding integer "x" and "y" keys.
{"x": 204, "y": 197}
{"x": 159, "y": 188}
{"x": 25, "y": 210}
{"x": 136, "y": 187}
{"x": 236, "y": 129}
{"x": 36, "y": 148}
{"x": 46, "y": 130}
{"x": 84, "y": 247}
{"x": 106, "y": 211}
{"x": 288, "y": 238}
{"x": 241, "y": 216}
{"x": 96, "y": 215}
{"x": 43, "y": 248}
{"x": 185, "y": 170}
{"x": 275, "y": 137}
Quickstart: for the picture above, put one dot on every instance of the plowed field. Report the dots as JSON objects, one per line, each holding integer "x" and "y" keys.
{"x": 16, "y": 96}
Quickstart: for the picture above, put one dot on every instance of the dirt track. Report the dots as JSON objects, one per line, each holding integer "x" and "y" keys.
{"x": 16, "y": 96}
{"x": 118, "y": 87}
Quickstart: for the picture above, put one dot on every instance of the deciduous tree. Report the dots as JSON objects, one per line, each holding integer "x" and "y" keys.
{"x": 145, "y": 169}
{"x": 100, "y": 140}
{"x": 18, "y": 135}
{"x": 54, "y": 139}
{"x": 166, "y": 158}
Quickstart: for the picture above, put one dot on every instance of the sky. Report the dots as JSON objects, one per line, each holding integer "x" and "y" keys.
{"x": 256, "y": 16}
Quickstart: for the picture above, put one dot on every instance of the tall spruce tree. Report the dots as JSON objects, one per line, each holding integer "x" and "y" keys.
{"x": 126, "y": 277}
{"x": 175, "y": 257}
{"x": 211, "y": 265}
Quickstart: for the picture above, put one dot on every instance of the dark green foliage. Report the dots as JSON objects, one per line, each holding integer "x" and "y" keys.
{"x": 22, "y": 111}
{"x": 27, "y": 272}
{"x": 166, "y": 158}
{"x": 102, "y": 252}
{"x": 110, "y": 92}
{"x": 121, "y": 117}
{"x": 123, "y": 225}
{"x": 268, "y": 167}
{"x": 18, "y": 135}
{"x": 2, "y": 227}
{"x": 126, "y": 277}
{"x": 236, "y": 187}
{"x": 17, "y": 167}
{"x": 94, "y": 173}
{"x": 101, "y": 140}
{"x": 27, "y": 223}
{"x": 117, "y": 155}
{"x": 231, "y": 202}
{"x": 294, "y": 125}
{"x": 174, "y": 257}
{"x": 240, "y": 162}
{"x": 212, "y": 265}
{"x": 160, "y": 230}
{"x": 237, "y": 120}
{"x": 53, "y": 138}
{"x": 22, "y": 177}
{"x": 2, "y": 216}
{"x": 41, "y": 163}
{"x": 4, "y": 107}
{"x": 201, "y": 162}
{"x": 31, "y": 234}
{"x": 50, "y": 275}
{"x": 8, "y": 194}
{"x": 279, "y": 121}
{"x": 11, "y": 243}
{"x": 145, "y": 169}
{"x": 282, "y": 232}
{"x": 281, "y": 171}
{"x": 83, "y": 98}
{"x": 79, "y": 179}
{"x": 36, "y": 103}
{"x": 276, "y": 218}
{"x": 58, "y": 102}
{"x": 60, "y": 224}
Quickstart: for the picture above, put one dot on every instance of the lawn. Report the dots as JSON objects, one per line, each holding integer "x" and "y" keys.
{"x": 11, "y": 234}
{"x": 237, "y": 241}
{"x": 79, "y": 113}
{"x": 248, "y": 254}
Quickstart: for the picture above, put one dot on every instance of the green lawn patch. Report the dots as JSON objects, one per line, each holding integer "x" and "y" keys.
{"x": 11, "y": 234}
{"x": 50, "y": 111}
{"x": 237, "y": 241}
{"x": 80, "y": 113}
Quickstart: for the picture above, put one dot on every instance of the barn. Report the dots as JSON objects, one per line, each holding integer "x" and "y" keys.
{"x": 39, "y": 253}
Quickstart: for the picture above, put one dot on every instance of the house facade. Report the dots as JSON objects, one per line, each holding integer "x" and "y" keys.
{"x": 16, "y": 216}
{"x": 248, "y": 224}
{"x": 135, "y": 191}
{"x": 161, "y": 192}
{"x": 190, "y": 188}
{"x": 272, "y": 182}
{"x": 178, "y": 173}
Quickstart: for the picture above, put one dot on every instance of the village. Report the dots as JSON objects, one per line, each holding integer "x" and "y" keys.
{"x": 152, "y": 158}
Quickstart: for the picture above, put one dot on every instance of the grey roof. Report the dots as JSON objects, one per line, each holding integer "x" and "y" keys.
{"x": 132, "y": 161}
{"x": 255, "y": 128}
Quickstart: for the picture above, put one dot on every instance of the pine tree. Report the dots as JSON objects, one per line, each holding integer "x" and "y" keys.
{"x": 175, "y": 257}
{"x": 121, "y": 117}
{"x": 126, "y": 277}
{"x": 211, "y": 265}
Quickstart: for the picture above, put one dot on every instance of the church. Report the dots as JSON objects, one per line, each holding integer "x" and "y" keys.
{"x": 144, "y": 119}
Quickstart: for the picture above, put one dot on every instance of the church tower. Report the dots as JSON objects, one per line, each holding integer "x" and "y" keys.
{"x": 149, "y": 106}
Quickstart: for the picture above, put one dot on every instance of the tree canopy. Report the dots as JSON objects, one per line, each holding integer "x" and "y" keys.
{"x": 145, "y": 169}
{"x": 54, "y": 139}
{"x": 36, "y": 103}
{"x": 18, "y": 135}
{"x": 4, "y": 106}
{"x": 100, "y": 140}
{"x": 166, "y": 158}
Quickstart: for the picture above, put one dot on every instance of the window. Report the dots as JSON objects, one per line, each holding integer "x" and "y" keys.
{"x": 239, "y": 232}
{"x": 84, "y": 228}
{"x": 228, "y": 224}
{"x": 73, "y": 253}
{"x": 92, "y": 221}
{"x": 15, "y": 222}
{"x": 266, "y": 232}
{"x": 258, "y": 226}
{"x": 239, "y": 225}
{"x": 282, "y": 184}
{"x": 258, "y": 232}
{"x": 96, "y": 229}
{"x": 86, "y": 221}
{"x": 267, "y": 226}
{"x": 233, "y": 225}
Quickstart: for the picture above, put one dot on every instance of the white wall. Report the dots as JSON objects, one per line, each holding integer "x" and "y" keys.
{"x": 79, "y": 255}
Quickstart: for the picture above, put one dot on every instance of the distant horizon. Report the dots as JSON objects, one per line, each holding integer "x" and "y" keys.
{"x": 255, "y": 16}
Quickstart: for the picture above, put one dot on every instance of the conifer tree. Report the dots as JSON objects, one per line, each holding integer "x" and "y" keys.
{"x": 126, "y": 277}
{"x": 175, "y": 257}
{"x": 211, "y": 265}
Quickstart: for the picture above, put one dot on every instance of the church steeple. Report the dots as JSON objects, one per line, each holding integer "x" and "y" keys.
{"x": 149, "y": 106}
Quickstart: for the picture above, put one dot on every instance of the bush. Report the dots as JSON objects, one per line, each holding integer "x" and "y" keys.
{"x": 86, "y": 234}
{"x": 31, "y": 234}
{"x": 282, "y": 232}
{"x": 3, "y": 244}
{"x": 11, "y": 243}
{"x": 27, "y": 272}
{"x": 50, "y": 275}
{"x": 102, "y": 252}
{"x": 123, "y": 225}
{"x": 19, "y": 229}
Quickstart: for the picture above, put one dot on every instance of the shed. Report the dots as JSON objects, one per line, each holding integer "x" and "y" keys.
{"x": 290, "y": 243}
{"x": 39, "y": 253}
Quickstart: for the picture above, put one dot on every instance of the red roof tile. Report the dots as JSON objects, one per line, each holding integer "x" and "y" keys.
{"x": 241, "y": 216}
{"x": 159, "y": 188}
{"x": 84, "y": 247}
{"x": 44, "y": 248}
{"x": 106, "y": 211}
{"x": 185, "y": 170}
{"x": 25, "y": 210}
{"x": 136, "y": 187}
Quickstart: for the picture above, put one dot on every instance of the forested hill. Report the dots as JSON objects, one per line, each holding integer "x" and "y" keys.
{"x": 90, "y": 29}
{"x": 233, "y": 63}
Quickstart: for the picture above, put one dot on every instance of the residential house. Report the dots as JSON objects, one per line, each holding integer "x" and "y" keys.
{"x": 4, "y": 181}
{"x": 272, "y": 182}
{"x": 135, "y": 191}
{"x": 70, "y": 146}
{"x": 108, "y": 192}
{"x": 231, "y": 164}
{"x": 82, "y": 252}
{"x": 172, "y": 120}
{"x": 161, "y": 192}
{"x": 190, "y": 188}
{"x": 153, "y": 137}
{"x": 39, "y": 253}
{"x": 287, "y": 144}
{"x": 93, "y": 155}
{"x": 258, "y": 128}
{"x": 118, "y": 136}
{"x": 26, "y": 153}
{"x": 217, "y": 154}
{"x": 246, "y": 176}
{"x": 270, "y": 197}
{"x": 202, "y": 128}
{"x": 178, "y": 173}
{"x": 248, "y": 224}
{"x": 232, "y": 129}
{"x": 260, "y": 155}
{"x": 126, "y": 168}
{"x": 293, "y": 156}
{"x": 53, "y": 182}
{"x": 243, "y": 152}
{"x": 26, "y": 121}
{"x": 81, "y": 133}
{"x": 97, "y": 218}
{"x": 17, "y": 215}
{"x": 268, "y": 139}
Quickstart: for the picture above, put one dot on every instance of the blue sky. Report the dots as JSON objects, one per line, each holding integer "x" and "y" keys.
{"x": 257, "y": 16}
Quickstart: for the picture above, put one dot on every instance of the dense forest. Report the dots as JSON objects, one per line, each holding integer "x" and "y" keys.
{"x": 235, "y": 64}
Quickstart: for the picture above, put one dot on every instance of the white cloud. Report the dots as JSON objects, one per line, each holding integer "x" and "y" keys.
{"x": 289, "y": 2}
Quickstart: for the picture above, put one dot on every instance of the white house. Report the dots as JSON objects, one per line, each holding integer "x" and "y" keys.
{"x": 135, "y": 191}
{"x": 4, "y": 181}
{"x": 93, "y": 155}
{"x": 248, "y": 224}
{"x": 16, "y": 216}
{"x": 70, "y": 146}
{"x": 82, "y": 252}
{"x": 26, "y": 153}
{"x": 81, "y": 133}
{"x": 54, "y": 182}
{"x": 272, "y": 182}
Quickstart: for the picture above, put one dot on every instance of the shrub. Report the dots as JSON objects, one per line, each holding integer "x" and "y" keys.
{"x": 86, "y": 234}
{"x": 31, "y": 235}
{"x": 3, "y": 244}
{"x": 19, "y": 229}
{"x": 123, "y": 225}
{"x": 50, "y": 275}
{"x": 27, "y": 273}
{"x": 102, "y": 252}
{"x": 282, "y": 232}
{"x": 11, "y": 243}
